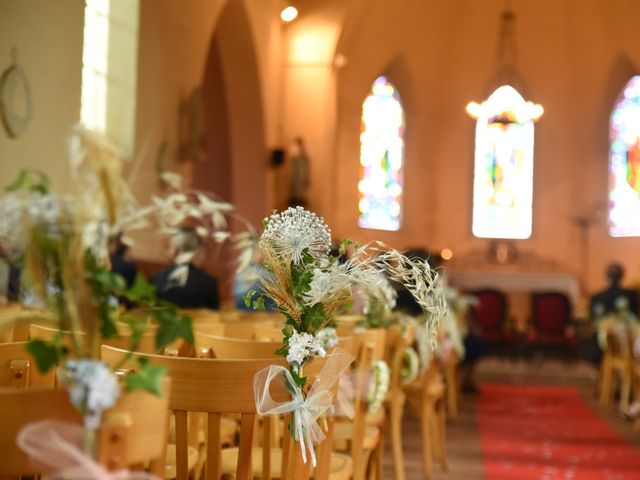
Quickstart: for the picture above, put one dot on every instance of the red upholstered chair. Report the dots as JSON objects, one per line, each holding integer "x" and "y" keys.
{"x": 550, "y": 319}
{"x": 489, "y": 314}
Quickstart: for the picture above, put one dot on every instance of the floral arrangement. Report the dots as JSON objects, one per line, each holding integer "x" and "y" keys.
{"x": 411, "y": 365}
{"x": 310, "y": 286}
{"x": 379, "y": 303}
{"x": 378, "y": 385}
{"x": 62, "y": 243}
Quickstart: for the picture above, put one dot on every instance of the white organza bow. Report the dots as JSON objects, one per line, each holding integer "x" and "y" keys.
{"x": 305, "y": 411}
{"x": 55, "y": 448}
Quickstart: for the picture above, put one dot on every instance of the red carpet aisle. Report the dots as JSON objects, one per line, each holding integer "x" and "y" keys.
{"x": 549, "y": 433}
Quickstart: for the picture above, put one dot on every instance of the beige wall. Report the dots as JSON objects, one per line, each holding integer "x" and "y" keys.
{"x": 442, "y": 55}
{"x": 48, "y": 39}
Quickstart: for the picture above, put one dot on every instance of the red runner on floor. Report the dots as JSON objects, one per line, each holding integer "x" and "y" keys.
{"x": 549, "y": 433}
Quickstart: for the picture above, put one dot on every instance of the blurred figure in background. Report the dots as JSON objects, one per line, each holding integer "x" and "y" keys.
{"x": 120, "y": 263}
{"x": 605, "y": 301}
{"x": 9, "y": 279}
{"x": 183, "y": 283}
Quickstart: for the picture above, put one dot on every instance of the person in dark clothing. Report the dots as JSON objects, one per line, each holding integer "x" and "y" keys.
{"x": 120, "y": 264}
{"x": 605, "y": 301}
{"x": 183, "y": 283}
{"x": 608, "y": 301}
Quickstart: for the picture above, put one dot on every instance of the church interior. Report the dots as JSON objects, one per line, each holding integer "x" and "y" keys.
{"x": 481, "y": 157}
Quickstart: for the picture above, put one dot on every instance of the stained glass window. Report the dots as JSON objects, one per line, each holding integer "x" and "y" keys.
{"x": 381, "y": 158}
{"x": 624, "y": 163}
{"x": 503, "y": 172}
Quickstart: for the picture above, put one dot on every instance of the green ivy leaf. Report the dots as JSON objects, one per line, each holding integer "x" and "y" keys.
{"x": 142, "y": 291}
{"x": 46, "y": 355}
{"x": 313, "y": 317}
{"x": 173, "y": 329}
{"x": 300, "y": 381}
{"x": 147, "y": 378}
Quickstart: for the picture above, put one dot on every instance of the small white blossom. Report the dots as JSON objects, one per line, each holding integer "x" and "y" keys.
{"x": 302, "y": 346}
{"x": 93, "y": 388}
{"x": 328, "y": 337}
{"x": 295, "y": 230}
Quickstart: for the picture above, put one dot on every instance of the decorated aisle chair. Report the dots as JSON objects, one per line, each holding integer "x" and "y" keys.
{"x": 427, "y": 395}
{"x": 132, "y": 433}
{"x": 617, "y": 359}
{"x": 219, "y": 387}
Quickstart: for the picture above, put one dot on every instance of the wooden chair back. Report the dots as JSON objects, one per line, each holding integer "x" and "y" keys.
{"x": 133, "y": 432}
{"x": 147, "y": 343}
{"x": 267, "y": 332}
{"x": 18, "y": 369}
{"x": 375, "y": 336}
{"x": 218, "y": 387}
{"x": 366, "y": 355}
{"x": 210, "y": 346}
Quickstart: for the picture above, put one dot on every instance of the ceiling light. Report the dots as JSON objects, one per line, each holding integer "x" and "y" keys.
{"x": 289, "y": 13}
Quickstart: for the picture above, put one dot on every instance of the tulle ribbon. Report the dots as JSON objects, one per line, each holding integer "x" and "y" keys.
{"x": 305, "y": 411}
{"x": 55, "y": 448}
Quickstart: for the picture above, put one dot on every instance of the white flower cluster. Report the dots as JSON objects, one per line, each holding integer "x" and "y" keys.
{"x": 411, "y": 365}
{"x": 93, "y": 388}
{"x": 37, "y": 210}
{"x": 302, "y": 346}
{"x": 296, "y": 229}
{"x": 378, "y": 288}
{"x": 378, "y": 385}
{"x": 328, "y": 337}
{"x": 326, "y": 282}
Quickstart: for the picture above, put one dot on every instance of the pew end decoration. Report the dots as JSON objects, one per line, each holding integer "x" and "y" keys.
{"x": 310, "y": 286}
{"x": 62, "y": 240}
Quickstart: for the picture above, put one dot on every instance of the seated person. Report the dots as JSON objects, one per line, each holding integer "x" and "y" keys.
{"x": 120, "y": 264}
{"x": 609, "y": 301}
{"x": 605, "y": 301}
{"x": 183, "y": 283}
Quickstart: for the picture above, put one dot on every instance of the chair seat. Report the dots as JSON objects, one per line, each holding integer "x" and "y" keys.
{"x": 343, "y": 432}
{"x": 341, "y": 465}
{"x": 170, "y": 462}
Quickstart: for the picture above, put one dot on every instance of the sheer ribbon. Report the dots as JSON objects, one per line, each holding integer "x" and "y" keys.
{"x": 305, "y": 410}
{"x": 55, "y": 448}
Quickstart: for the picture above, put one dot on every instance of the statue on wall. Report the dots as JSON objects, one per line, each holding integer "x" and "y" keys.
{"x": 300, "y": 174}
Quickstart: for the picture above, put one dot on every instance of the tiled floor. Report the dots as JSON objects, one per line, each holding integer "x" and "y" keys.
{"x": 463, "y": 441}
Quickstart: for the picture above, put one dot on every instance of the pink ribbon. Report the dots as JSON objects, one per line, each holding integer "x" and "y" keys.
{"x": 55, "y": 448}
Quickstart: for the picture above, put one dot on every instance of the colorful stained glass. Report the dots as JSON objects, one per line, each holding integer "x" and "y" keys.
{"x": 624, "y": 163}
{"x": 381, "y": 158}
{"x": 503, "y": 173}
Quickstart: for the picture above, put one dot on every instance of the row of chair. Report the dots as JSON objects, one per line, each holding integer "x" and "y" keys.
{"x": 220, "y": 382}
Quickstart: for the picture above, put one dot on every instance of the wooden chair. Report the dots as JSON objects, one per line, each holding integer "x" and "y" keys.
{"x": 452, "y": 384}
{"x": 363, "y": 436}
{"x": 427, "y": 395}
{"x": 18, "y": 369}
{"x": 617, "y": 358}
{"x": 133, "y": 432}
{"x": 219, "y": 387}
